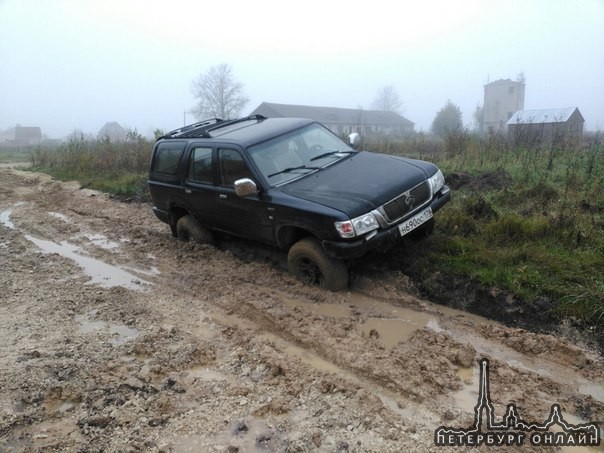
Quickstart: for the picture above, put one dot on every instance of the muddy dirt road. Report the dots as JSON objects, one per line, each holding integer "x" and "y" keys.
{"x": 116, "y": 337}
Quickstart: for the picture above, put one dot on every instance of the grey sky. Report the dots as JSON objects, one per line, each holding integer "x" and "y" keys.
{"x": 67, "y": 64}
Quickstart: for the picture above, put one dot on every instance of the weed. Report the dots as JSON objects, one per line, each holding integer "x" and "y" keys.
{"x": 117, "y": 168}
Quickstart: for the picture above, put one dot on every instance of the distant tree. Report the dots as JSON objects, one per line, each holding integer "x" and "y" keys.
{"x": 387, "y": 99}
{"x": 521, "y": 77}
{"x": 218, "y": 94}
{"x": 77, "y": 135}
{"x": 132, "y": 135}
{"x": 448, "y": 119}
{"x": 157, "y": 133}
{"x": 478, "y": 117}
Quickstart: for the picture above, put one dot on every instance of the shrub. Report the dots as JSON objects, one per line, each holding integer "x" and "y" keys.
{"x": 118, "y": 168}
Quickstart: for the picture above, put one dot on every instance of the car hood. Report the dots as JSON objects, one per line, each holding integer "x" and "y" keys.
{"x": 362, "y": 182}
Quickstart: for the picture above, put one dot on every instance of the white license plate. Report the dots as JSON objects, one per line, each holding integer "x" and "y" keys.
{"x": 411, "y": 224}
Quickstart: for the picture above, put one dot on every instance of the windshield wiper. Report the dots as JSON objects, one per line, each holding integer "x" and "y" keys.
{"x": 329, "y": 153}
{"x": 290, "y": 169}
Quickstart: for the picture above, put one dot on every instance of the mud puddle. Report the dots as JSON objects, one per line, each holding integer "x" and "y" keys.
{"x": 119, "y": 334}
{"x": 102, "y": 241}
{"x": 60, "y": 216}
{"x": 5, "y": 219}
{"x": 541, "y": 366}
{"x": 45, "y": 436}
{"x": 391, "y": 332}
{"x": 385, "y": 322}
{"x": 6, "y": 214}
{"x": 100, "y": 273}
{"x": 321, "y": 309}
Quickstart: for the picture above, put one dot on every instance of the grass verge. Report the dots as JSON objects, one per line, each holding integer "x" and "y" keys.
{"x": 120, "y": 169}
{"x": 529, "y": 221}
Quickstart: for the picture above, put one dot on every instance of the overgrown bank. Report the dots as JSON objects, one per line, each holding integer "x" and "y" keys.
{"x": 525, "y": 228}
{"x": 120, "y": 169}
{"x": 528, "y": 221}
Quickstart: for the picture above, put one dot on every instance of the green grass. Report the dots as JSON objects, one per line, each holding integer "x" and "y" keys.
{"x": 120, "y": 169}
{"x": 528, "y": 220}
{"x": 12, "y": 155}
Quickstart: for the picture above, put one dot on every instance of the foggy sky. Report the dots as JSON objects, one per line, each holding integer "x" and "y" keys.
{"x": 67, "y": 64}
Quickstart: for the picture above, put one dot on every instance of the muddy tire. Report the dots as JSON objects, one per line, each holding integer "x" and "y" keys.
{"x": 189, "y": 229}
{"x": 309, "y": 263}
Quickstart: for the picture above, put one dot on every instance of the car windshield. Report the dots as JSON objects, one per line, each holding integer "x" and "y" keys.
{"x": 297, "y": 153}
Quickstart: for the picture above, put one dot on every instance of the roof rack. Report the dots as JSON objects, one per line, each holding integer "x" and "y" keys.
{"x": 201, "y": 125}
{"x": 203, "y": 128}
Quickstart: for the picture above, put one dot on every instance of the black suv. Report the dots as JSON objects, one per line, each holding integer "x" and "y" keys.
{"x": 291, "y": 183}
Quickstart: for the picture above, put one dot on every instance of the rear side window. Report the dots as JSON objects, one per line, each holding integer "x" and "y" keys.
{"x": 200, "y": 167}
{"x": 167, "y": 157}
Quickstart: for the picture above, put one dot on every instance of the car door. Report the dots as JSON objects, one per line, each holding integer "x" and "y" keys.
{"x": 200, "y": 188}
{"x": 248, "y": 216}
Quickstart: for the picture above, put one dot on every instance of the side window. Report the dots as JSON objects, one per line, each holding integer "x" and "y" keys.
{"x": 232, "y": 167}
{"x": 167, "y": 156}
{"x": 200, "y": 165}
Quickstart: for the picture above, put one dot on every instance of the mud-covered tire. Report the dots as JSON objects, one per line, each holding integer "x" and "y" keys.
{"x": 188, "y": 229}
{"x": 309, "y": 263}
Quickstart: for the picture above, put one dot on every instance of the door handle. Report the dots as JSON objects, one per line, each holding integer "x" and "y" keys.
{"x": 188, "y": 191}
{"x": 222, "y": 196}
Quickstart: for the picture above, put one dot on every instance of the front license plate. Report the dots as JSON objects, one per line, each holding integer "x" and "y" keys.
{"x": 409, "y": 225}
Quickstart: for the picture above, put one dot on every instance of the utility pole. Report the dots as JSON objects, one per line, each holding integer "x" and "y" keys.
{"x": 184, "y": 116}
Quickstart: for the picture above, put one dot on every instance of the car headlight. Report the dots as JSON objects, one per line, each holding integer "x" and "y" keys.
{"x": 437, "y": 181}
{"x": 357, "y": 226}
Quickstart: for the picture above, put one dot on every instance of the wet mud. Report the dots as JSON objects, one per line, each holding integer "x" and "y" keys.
{"x": 116, "y": 337}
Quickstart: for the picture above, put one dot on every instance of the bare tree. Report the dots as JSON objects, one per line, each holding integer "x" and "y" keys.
{"x": 388, "y": 100}
{"x": 218, "y": 94}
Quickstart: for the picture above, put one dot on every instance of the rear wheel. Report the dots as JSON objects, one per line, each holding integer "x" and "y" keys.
{"x": 189, "y": 229}
{"x": 309, "y": 263}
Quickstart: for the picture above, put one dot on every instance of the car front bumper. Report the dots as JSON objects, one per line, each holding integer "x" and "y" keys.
{"x": 347, "y": 250}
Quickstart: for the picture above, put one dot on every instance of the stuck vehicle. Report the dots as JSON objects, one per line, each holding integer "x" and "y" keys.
{"x": 293, "y": 184}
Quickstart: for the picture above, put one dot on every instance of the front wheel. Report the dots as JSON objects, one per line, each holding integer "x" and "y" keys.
{"x": 309, "y": 263}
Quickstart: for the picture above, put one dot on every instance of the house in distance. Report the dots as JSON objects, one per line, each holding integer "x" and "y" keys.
{"x": 343, "y": 121}
{"x": 21, "y": 136}
{"x": 113, "y": 132}
{"x": 546, "y": 126}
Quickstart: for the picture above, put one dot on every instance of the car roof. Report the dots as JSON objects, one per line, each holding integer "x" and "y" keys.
{"x": 245, "y": 131}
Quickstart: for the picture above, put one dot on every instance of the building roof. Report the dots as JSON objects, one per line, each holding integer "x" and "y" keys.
{"x": 332, "y": 115}
{"x": 505, "y": 82}
{"x": 113, "y": 131}
{"x": 28, "y": 133}
{"x": 544, "y": 116}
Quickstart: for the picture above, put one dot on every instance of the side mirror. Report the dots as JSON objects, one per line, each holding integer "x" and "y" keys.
{"x": 245, "y": 187}
{"x": 354, "y": 139}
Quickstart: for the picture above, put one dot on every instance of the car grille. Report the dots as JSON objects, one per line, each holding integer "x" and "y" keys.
{"x": 407, "y": 202}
